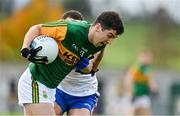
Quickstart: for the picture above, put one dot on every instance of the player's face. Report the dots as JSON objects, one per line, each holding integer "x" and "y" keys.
{"x": 146, "y": 58}
{"x": 103, "y": 37}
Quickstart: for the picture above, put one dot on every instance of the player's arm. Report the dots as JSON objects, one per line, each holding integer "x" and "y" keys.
{"x": 93, "y": 67}
{"x": 86, "y": 69}
{"x": 89, "y": 65}
{"x": 29, "y": 53}
{"x": 33, "y": 32}
{"x": 96, "y": 61}
{"x": 53, "y": 29}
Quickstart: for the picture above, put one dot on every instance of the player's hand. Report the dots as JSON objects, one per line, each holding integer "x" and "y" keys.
{"x": 84, "y": 65}
{"x": 31, "y": 55}
{"x": 93, "y": 72}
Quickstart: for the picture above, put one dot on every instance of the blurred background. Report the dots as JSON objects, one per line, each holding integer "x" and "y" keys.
{"x": 149, "y": 24}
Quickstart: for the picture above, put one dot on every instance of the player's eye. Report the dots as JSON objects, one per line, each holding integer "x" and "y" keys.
{"x": 109, "y": 36}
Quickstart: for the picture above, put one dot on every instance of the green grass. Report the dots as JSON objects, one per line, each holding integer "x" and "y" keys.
{"x": 11, "y": 113}
{"x": 123, "y": 51}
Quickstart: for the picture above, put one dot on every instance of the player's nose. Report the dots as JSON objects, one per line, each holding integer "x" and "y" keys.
{"x": 109, "y": 41}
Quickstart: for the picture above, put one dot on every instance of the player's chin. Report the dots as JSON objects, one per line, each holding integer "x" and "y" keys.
{"x": 99, "y": 44}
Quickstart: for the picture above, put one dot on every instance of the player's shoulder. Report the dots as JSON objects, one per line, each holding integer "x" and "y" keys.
{"x": 55, "y": 23}
{"x": 78, "y": 23}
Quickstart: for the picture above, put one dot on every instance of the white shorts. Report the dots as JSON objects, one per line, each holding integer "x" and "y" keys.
{"x": 142, "y": 101}
{"x": 31, "y": 91}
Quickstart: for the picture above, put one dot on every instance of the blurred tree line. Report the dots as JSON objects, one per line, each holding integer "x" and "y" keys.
{"x": 157, "y": 32}
{"x": 13, "y": 28}
{"x": 163, "y": 39}
{"x": 80, "y": 5}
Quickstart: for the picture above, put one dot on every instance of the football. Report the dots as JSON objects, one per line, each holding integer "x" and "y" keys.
{"x": 49, "y": 47}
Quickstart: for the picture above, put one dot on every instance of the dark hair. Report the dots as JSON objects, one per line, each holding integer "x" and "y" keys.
{"x": 110, "y": 20}
{"x": 73, "y": 14}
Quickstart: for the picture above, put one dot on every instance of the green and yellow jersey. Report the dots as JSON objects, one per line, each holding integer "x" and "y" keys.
{"x": 141, "y": 76}
{"x": 73, "y": 43}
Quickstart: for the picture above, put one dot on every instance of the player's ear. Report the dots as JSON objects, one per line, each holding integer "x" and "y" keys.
{"x": 98, "y": 27}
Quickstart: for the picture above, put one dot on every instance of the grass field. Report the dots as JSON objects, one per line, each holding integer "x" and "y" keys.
{"x": 123, "y": 51}
{"x": 11, "y": 113}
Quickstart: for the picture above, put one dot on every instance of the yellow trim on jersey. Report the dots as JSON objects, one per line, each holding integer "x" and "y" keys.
{"x": 35, "y": 91}
{"x": 138, "y": 76}
{"x": 58, "y": 33}
{"x": 67, "y": 56}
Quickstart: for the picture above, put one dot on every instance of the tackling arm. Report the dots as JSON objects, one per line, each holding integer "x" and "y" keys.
{"x": 90, "y": 65}
{"x": 97, "y": 60}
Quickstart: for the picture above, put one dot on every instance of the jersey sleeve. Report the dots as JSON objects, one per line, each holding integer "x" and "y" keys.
{"x": 56, "y": 30}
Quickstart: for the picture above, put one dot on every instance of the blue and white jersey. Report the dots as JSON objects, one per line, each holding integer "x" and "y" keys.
{"x": 77, "y": 84}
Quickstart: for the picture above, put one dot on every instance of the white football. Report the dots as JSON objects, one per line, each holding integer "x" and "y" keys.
{"x": 49, "y": 47}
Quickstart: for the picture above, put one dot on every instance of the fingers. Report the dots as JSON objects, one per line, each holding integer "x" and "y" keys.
{"x": 38, "y": 49}
{"x": 25, "y": 52}
{"x": 38, "y": 59}
{"x": 41, "y": 58}
{"x": 40, "y": 62}
{"x": 91, "y": 57}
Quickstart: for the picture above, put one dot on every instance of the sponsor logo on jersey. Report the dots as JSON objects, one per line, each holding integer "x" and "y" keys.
{"x": 67, "y": 56}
